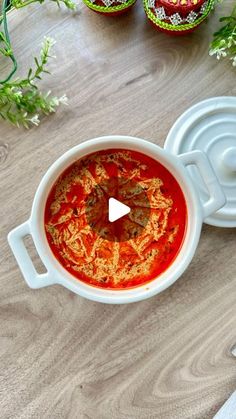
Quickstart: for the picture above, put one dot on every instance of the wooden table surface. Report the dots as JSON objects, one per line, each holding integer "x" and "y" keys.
{"x": 65, "y": 357}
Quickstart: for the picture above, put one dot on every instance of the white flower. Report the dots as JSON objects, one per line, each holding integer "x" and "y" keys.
{"x": 234, "y": 61}
{"x": 63, "y": 100}
{"x": 48, "y": 40}
{"x": 219, "y": 52}
{"x": 47, "y": 45}
{"x": 212, "y": 52}
{"x": 56, "y": 101}
{"x": 35, "y": 120}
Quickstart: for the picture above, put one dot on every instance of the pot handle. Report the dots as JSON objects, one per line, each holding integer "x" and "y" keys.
{"x": 216, "y": 195}
{"x": 32, "y": 277}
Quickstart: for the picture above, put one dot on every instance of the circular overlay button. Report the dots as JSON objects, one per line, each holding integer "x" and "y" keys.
{"x": 124, "y": 191}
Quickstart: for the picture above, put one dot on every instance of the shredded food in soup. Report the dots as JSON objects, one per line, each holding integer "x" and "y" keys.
{"x": 136, "y": 248}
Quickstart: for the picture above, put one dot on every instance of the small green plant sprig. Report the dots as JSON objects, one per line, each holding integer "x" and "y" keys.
{"x": 21, "y": 101}
{"x": 18, "y": 4}
{"x": 224, "y": 42}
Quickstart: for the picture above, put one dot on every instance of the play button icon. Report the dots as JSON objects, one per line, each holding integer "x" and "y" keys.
{"x": 117, "y": 210}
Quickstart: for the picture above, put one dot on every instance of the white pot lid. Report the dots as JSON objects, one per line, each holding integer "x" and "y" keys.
{"x": 210, "y": 126}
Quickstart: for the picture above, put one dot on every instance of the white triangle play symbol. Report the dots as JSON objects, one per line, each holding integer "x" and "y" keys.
{"x": 117, "y": 210}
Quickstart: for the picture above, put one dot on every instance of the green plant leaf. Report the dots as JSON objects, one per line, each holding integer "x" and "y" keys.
{"x": 21, "y": 102}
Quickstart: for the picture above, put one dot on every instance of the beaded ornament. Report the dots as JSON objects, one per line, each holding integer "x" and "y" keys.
{"x": 109, "y": 6}
{"x": 177, "y": 16}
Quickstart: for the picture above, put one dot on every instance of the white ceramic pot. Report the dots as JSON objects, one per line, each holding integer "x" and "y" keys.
{"x": 196, "y": 211}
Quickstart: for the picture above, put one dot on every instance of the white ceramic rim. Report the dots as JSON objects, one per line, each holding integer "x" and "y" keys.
{"x": 61, "y": 276}
{"x": 197, "y": 211}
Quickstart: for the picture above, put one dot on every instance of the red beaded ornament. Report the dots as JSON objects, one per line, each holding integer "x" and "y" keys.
{"x": 109, "y": 7}
{"x": 177, "y": 17}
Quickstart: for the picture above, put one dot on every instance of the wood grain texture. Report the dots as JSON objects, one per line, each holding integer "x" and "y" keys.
{"x": 62, "y": 356}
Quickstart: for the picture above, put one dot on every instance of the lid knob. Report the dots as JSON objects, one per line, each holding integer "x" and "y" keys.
{"x": 229, "y": 159}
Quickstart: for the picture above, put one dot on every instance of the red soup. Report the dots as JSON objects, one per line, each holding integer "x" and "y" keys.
{"x": 135, "y": 248}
